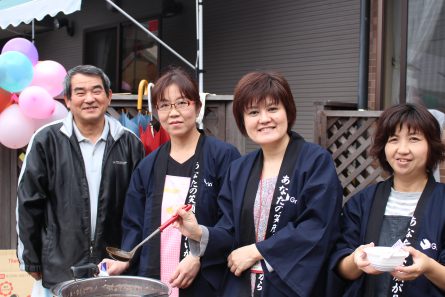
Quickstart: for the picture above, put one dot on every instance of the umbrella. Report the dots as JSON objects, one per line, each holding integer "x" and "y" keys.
{"x": 126, "y": 122}
{"x": 140, "y": 119}
{"x": 153, "y": 135}
{"x": 152, "y": 138}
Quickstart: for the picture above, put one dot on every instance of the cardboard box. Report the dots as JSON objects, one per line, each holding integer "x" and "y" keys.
{"x": 13, "y": 282}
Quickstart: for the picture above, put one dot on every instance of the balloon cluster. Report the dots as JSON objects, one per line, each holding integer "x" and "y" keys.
{"x": 27, "y": 88}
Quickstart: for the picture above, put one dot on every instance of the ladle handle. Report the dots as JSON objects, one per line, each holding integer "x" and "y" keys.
{"x": 173, "y": 218}
{"x": 161, "y": 228}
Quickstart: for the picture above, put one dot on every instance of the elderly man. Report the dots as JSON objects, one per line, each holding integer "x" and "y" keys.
{"x": 73, "y": 182}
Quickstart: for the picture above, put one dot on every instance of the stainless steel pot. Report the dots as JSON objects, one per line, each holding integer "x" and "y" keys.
{"x": 112, "y": 286}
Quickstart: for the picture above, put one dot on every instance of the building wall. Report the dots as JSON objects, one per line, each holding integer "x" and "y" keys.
{"x": 8, "y": 194}
{"x": 314, "y": 43}
{"x": 373, "y": 42}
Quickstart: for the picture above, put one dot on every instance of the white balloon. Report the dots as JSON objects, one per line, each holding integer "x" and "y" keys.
{"x": 16, "y": 129}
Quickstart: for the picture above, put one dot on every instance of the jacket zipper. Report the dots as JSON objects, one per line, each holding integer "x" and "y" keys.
{"x": 105, "y": 159}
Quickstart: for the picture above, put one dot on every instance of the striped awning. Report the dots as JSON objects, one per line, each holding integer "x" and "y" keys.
{"x": 15, "y": 12}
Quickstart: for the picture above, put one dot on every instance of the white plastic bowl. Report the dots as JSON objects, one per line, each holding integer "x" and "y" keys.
{"x": 385, "y": 258}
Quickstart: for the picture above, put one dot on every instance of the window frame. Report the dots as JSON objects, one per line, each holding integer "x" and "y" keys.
{"x": 119, "y": 31}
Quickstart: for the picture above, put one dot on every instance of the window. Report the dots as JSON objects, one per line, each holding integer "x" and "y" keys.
{"x": 125, "y": 52}
{"x": 139, "y": 55}
{"x": 101, "y": 51}
{"x": 414, "y": 63}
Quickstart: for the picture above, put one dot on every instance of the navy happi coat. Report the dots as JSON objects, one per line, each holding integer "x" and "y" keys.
{"x": 305, "y": 233}
{"x": 430, "y": 238}
{"x": 142, "y": 211}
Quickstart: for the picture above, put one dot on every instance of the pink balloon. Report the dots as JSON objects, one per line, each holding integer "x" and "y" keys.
{"x": 16, "y": 129}
{"x": 49, "y": 75}
{"x": 35, "y": 102}
{"x": 59, "y": 113}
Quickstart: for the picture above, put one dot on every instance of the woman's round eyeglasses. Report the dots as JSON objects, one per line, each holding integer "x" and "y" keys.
{"x": 167, "y": 106}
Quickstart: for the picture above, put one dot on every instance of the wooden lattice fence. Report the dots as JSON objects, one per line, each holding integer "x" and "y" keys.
{"x": 348, "y": 136}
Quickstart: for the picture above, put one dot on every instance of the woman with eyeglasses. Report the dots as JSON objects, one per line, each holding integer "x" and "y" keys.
{"x": 189, "y": 169}
{"x": 280, "y": 204}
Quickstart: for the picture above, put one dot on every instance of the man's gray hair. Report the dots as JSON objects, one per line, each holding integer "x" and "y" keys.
{"x": 86, "y": 70}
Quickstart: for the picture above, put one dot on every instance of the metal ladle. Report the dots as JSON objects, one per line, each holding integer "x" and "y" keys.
{"x": 121, "y": 255}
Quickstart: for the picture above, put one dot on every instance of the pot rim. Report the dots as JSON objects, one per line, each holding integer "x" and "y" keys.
{"x": 57, "y": 289}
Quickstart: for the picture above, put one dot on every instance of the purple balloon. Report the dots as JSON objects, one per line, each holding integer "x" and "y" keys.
{"x": 24, "y": 46}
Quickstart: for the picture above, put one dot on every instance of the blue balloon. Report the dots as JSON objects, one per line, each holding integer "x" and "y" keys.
{"x": 16, "y": 71}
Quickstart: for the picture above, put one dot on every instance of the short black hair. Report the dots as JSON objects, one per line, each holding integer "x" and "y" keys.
{"x": 416, "y": 117}
{"x": 86, "y": 70}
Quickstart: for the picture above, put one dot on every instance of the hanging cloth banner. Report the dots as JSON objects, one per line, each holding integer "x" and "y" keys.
{"x": 14, "y": 12}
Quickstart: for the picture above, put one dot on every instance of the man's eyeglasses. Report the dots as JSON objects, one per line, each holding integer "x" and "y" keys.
{"x": 167, "y": 106}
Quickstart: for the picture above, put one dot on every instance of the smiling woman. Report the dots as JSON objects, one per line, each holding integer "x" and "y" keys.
{"x": 266, "y": 122}
{"x": 406, "y": 153}
{"x": 177, "y": 114}
{"x": 280, "y": 203}
{"x": 189, "y": 169}
{"x": 409, "y": 207}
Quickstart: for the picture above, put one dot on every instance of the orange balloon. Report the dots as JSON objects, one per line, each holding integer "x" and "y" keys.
{"x": 5, "y": 99}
